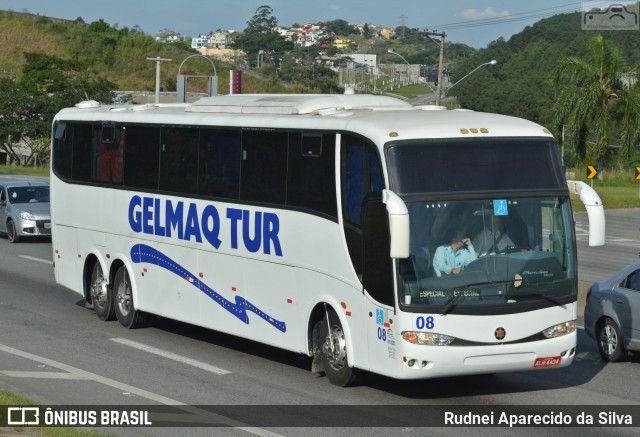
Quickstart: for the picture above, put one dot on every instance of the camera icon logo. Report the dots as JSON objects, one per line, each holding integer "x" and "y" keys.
{"x": 614, "y": 16}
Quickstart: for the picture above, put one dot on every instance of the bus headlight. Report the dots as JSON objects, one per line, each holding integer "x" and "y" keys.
{"x": 560, "y": 329}
{"x": 427, "y": 338}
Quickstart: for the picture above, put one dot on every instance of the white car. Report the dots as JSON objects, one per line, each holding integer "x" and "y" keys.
{"x": 24, "y": 209}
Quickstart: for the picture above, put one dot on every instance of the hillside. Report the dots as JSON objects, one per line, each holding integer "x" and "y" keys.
{"x": 118, "y": 55}
{"x": 519, "y": 84}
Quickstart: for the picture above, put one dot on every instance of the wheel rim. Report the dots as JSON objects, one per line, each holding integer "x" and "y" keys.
{"x": 99, "y": 288}
{"x": 609, "y": 339}
{"x": 334, "y": 348}
{"x": 123, "y": 296}
{"x": 11, "y": 231}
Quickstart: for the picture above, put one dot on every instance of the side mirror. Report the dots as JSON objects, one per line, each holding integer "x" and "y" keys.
{"x": 398, "y": 224}
{"x": 595, "y": 211}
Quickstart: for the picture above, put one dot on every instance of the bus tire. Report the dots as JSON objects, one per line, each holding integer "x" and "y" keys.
{"x": 124, "y": 307}
{"x": 610, "y": 341}
{"x": 334, "y": 353}
{"x": 101, "y": 294}
{"x": 12, "y": 233}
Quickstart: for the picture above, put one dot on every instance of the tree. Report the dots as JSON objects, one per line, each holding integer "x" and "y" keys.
{"x": 27, "y": 107}
{"x": 68, "y": 81}
{"x": 25, "y": 118}
{"x": 340, "y": 27}
{"x": 597, "y": 94}
{"x": 260, "y": 36}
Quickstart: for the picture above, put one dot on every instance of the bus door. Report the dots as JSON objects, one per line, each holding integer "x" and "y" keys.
{"x": 378, "y": 285}
{"x": 366, "y": 231}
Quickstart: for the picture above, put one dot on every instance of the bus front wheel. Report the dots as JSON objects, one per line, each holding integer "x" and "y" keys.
{"x": 334, "y": 352}
{"x": 127, "y": 314}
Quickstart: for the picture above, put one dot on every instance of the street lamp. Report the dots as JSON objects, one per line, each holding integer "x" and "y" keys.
{"x": 492, "y": 62}
{"x": 393, "y": 52}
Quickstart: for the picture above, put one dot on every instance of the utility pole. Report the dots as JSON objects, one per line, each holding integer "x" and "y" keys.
{"x": 442, "y": 36}
{"x": 158, "y": 61}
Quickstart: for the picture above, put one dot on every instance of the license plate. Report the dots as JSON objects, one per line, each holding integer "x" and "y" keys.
{"x": 547, "y": 362}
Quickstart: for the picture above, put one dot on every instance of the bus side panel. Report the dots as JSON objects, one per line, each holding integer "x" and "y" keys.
{"x": 68, "y": 266}
{"x": 169, "y": 285}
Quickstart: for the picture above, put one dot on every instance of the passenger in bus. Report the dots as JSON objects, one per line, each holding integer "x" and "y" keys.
{"x": 493, "y": 239}
{"x": 452, "y": 258}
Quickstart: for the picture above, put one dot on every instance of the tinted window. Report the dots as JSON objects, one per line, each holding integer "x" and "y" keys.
{"x": 264, "y": 166}
{"x": 361, "y": 175}
{"x": 474, "y": 165}
{"x": 633, "y": 281}
{"x": 62, "y": 149}
{"x": 311, "y": 182}
{"x": 141, "y": 157}
{"x": 179, "y": 160}
{"x": 111, "y": 141}
{"x": 219, "y": 168}
{"x": 84, "y": 141}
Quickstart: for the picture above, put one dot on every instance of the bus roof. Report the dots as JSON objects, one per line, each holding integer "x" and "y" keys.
{"x": 380, "y": 118}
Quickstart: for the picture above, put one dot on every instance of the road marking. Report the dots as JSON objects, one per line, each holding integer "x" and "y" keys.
{"x": 41, "y": 375}
{"x": 33, "y": 258}
{"x": 171, "y": 356}
{"x": 198, "y": 412}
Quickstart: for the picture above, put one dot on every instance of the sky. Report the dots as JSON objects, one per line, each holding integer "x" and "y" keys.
{"x": 473, "y": 22}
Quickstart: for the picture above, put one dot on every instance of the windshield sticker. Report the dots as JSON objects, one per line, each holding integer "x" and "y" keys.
{"x": 500, "y": 207}
{"x": 449, "y": 293}
{"x": 141, "y": 253}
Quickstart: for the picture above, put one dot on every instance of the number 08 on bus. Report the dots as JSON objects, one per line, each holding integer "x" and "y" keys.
{"x": 362, "y": 231}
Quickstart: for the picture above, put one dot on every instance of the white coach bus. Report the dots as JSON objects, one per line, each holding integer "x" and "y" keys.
{"x": 314, "y": 223}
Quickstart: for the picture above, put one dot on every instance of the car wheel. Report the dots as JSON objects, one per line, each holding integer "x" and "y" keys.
{"x": 127, "y": 314}
{"x": 334, "y": 352}
{"x": 610, "y": 341}
{"x": 12, "y": 234}
{"x": 101, "y": 294}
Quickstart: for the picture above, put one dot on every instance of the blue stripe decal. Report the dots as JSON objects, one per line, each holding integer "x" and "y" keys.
{"x": 142, "y": 253}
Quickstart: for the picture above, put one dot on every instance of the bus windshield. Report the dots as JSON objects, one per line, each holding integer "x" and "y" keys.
{"x": 491, "y": 226}
{"x": 489, "y": 255}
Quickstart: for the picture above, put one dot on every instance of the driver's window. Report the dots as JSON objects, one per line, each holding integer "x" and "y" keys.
{"x": 633, "y": 281}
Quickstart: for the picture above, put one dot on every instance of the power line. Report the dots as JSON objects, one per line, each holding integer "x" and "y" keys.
{"x": 538, "y": 13}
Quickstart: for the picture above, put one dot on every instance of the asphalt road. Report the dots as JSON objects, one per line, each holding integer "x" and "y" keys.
{"x": 56, "y": 352}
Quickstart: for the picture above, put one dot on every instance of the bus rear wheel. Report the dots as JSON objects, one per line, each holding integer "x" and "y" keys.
{"x": 101, "y": 294}
{"x": 334, "y": 352}
{"x": 127, "y": 314}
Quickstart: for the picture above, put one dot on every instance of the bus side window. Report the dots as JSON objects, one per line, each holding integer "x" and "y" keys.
{"x": 311, "y": 181}
{"x": 111, "y": 141}
{"x": 264, "y": 166}
{"x": 361, "y": 174}
{"x": 83, "y": 155}
{"x": 62, "y": 143}
{"x": 141, "y": 157}
{"x": 219, "y": 163}
{"x": 179, "y": 160}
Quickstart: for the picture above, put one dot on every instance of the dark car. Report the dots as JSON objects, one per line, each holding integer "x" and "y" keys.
{"x": 25, "y": 209}
{"x": 612, "y": 313}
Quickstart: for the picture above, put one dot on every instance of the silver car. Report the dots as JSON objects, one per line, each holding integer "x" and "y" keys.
{"x": 24, "y": 209}
{"x": 612, "y": 313}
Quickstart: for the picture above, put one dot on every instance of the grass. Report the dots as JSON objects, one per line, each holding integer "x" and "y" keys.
{"x": 24, "y": 171}
{"x": 10, "y": 399}
{"x": 617, "y": 189}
